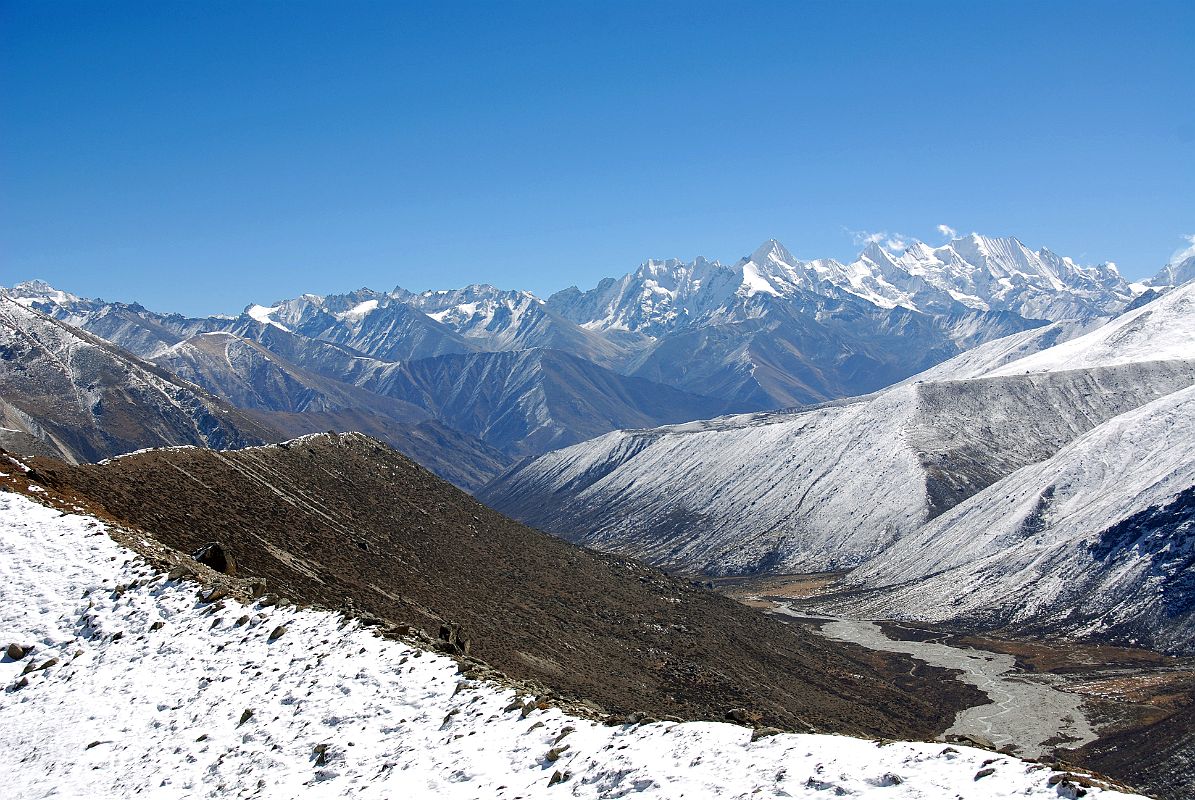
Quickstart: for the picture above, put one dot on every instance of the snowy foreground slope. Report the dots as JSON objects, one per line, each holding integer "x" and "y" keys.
{"x": 140, "y": 689}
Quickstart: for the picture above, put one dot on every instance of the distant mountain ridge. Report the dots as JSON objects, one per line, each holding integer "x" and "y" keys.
{"x": 517, "y": 375}
{"x": 974, "y": 272}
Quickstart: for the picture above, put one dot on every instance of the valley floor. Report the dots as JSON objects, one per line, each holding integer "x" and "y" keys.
{"x": 133, "y": 685}
{"x": 1077, "y": 701}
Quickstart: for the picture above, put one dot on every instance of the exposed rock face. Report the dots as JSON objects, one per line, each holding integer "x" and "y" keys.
{"x": 214, "y": 555}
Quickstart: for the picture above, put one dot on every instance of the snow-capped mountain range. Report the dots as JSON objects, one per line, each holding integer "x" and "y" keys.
{"x": 974, "y": 273}
{"x": 668, "y": 342}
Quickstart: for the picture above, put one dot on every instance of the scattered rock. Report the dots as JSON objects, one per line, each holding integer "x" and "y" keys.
{"x": 761, "y": 733}
{"x": 559, "y": 777}
{"x": 983, "y": 773}
{"x": 16, "y": 652}
{"x": 180, "y": 572}
{"x": 1072, "y": 786}
{"x": 321, "y": 754}
{"x": 245, "y": 716}
{"x": 218, "y": 593}
{"x": 565, "y": 731}
{"x": 452, "y": 641}
{"x": 277, "y": 633}
{"x": 974, "y": 741}
{"x": 556, "y": 752}
{"x": 743, "y": 716}
{"x": 157, "y": 626}
{"x": 215, "y": 556}
{"x": 30, "y": 667}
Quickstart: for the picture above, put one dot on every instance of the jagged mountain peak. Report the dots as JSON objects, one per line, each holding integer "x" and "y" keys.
{"x": 771, "y": 250}
{"x": 39, "y": 292}
{"x": 1176, "y": 273}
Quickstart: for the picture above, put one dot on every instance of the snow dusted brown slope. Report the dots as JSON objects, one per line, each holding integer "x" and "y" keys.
{"x": 140, "y": 690}
{"x": 88, "y": 399}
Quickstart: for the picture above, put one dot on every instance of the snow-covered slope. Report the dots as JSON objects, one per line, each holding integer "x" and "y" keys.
{"x": 140, "y": 690}
{"x": 813, "y": 490}
{"x": 834, "y": 486}
{"x": 986, "y": 358}
{"x": 1098, "y": 539}
{"x": 1160, "y": 330}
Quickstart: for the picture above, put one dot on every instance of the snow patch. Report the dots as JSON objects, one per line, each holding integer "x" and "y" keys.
{"x": 264, "y": 315}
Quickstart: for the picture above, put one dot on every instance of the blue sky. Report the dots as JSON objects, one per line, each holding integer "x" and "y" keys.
{"x": 198, "y": 156}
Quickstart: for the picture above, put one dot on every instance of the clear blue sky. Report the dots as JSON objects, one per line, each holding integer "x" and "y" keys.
{"x": 196, "y": 156}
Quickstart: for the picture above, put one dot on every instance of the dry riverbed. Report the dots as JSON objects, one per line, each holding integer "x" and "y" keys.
{"x": 1047, "y": 699}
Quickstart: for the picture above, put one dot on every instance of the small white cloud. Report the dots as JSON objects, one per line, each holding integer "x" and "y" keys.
{"x": 948, "y": 232}
{"x": 1186, "y": 252}
{"x": 893, "y": 242}
{"x": 867, "y": 237}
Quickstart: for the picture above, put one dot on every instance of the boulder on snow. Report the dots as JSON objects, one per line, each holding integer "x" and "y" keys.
{"x": 16, "y": 652}
{"x": 762, "y": 733}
